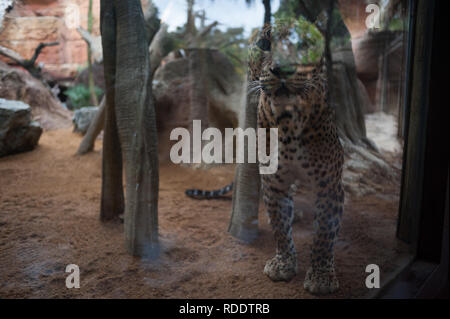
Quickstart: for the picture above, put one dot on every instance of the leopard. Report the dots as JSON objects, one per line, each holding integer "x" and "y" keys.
{"x": 294, "y": 98}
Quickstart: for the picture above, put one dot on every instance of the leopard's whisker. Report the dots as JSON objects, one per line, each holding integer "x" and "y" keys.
{"x": 254, "y": 89}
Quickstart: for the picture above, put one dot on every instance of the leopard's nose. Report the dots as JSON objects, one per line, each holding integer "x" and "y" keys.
{"x": 283, "y": 71}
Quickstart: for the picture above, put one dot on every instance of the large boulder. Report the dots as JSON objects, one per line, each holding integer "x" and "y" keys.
{"x": 18, "y": 133}
{"x": 173, "y": 88}
{"x": 176, "y": 85}
{"x": 83, "y": 117}
{"x": 16, "y": 84}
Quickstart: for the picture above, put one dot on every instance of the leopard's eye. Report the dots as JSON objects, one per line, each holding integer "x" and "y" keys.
{"x": 264, "y": 44}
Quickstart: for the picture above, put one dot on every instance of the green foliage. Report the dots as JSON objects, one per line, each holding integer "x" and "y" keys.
{"x": 340, "y": 36}
{"x": 309, "y": 40}
{"x": 397, "y": 24}
{"x": 311, "y": 43}
{"x": 305, "y": 42}
{"x": 79, "y": 95}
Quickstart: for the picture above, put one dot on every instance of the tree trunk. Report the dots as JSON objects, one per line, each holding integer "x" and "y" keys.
{"x": 112, "y": 198}
{"x": 157, "y": 53}
{"x": 267, "y": 11}
{"x": 190, "y": 24}
{"x": 247, "y": 182}
{"x": 347, "y": 100}
{"x": 246, "y": 186}
{"x": 137, "y": 130}
{"x": 127, "y": 75}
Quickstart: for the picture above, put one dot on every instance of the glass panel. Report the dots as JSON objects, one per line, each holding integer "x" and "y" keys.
{"x": 319, "y": 87}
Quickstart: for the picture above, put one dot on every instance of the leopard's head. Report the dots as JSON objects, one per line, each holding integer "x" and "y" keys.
{"x": 277, "y": 70}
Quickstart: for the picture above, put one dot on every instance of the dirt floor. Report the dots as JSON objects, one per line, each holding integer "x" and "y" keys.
{"x": 49, "y": 218}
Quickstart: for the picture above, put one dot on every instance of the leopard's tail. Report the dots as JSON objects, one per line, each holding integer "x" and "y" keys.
{"x": 214, "y": 194}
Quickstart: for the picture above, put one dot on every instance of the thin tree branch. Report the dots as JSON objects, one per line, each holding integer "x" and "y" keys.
{"x": 94, "y": 43}
{"x": 29, "y": 65}
{"x": 38, "y": 50}
{"x": 207, "y": 29}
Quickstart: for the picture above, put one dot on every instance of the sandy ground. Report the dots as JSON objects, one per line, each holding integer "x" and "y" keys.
{"x": 49, "y": 207}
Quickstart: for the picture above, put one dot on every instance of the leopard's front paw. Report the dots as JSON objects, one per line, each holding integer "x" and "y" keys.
{"x": 321, "y": 282}
{"x": 281, "y": 268}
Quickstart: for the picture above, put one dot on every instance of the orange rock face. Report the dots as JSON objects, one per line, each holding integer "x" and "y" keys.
{"x": 36, "y": 21}
{"x": 354, "y": 14}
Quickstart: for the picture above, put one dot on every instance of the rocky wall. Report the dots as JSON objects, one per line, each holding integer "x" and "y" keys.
{"x": 34, "y": 21}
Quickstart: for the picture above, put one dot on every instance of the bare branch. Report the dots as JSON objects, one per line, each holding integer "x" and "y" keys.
{"x": 198, "y": 38}
{"x": 29, "y": 65}
{"x": 94, "y": 43}
{"x": 10, "y": 54}
{"x": 38, "y": 50}
{"x": 96, "y": 126}
{"x": 206, "y": 30}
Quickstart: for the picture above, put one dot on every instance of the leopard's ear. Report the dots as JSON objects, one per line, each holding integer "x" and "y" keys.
{"x": 264, "y": 42}
{"x": 266, "y": 31}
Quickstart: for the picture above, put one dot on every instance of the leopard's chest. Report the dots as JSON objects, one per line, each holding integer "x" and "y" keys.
{"x": 307, "y": 145}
